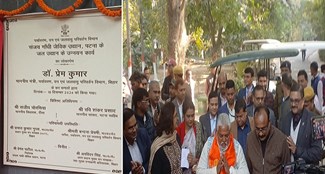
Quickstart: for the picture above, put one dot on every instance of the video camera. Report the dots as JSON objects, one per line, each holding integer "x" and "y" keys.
{"x": 300, "y": 167}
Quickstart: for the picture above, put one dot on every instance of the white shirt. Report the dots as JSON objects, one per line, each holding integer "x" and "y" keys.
{"x": 320, "y": 93}
{"x": 249, "y": 90}
{"x": 294, "y": 135}
{"x": 135, "y": 152}
{"x": 213, "y": 123}
{"x": 180, "y": 109}
{"x": 231, "y": 113}
{"x": 203, "y": 165}
{"x": 153, "y": 110}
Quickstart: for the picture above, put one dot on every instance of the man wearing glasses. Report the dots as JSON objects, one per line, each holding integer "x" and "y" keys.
{"x": 267, "y": 149}
{"x": 140, "y": 101}
{"x": 298, "y": 127}
{"x": 222, "y": 153}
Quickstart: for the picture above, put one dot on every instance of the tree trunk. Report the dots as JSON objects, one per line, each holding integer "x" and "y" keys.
{"x": 215, "y": 40}
{"x": 178, "y": 40}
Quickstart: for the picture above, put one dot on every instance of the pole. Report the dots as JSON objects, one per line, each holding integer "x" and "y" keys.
{"x": 128, "y": 39}
{"x": 141, "y": 35}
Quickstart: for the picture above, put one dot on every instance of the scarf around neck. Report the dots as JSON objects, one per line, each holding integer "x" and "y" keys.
{"x": 230, "y": 154}
{"x": 158, "y": 143}
{"x": 181, "y": 130}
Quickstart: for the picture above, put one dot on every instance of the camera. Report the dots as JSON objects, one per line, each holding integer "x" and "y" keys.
{"x": 300, "y": 166}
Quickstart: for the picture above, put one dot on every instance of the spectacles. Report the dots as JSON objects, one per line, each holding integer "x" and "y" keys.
{"x": 295, "y": 101}
{"x": 263, "y": 129}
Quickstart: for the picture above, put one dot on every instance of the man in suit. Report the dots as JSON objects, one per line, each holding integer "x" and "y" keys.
{"x": 245, "y": 93}
{"x": 209, "y": 120}
{"x": 136, "y": 145}
{"x": 154, "y": 100}
{"x": 298, "y": 127}
{"x": 229, "y": 107}
{"x": 258, "y": 96}
{"x": 180, "y": 89}
{"x": 242, "y": 125}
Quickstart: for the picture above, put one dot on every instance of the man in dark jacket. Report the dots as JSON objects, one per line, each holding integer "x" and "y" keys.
{"x": 136, "y": 145}
{"x": 298, "y": 127}
{"x": 140, "y": 100}
{"x": 245, "y": 93}
{"x": 267, "y": 149}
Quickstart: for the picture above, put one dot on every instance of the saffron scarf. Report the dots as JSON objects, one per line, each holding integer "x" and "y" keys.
{"x": 214, "y": 154}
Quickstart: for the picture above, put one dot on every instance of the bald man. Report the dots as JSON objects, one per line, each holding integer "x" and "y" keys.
{"x": 266, "y": 139}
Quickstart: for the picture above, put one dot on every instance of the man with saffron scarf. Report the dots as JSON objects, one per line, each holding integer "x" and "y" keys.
{"x": 222, "y": 154}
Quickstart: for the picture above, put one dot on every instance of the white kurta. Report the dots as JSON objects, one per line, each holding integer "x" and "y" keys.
{"x": 240, "y": 166}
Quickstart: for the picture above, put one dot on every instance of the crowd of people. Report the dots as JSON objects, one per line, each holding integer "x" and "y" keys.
{"x": 247, "y": 130}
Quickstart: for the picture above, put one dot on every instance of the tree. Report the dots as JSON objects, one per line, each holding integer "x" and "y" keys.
{"x": 178, "y": 40}
{"x": 215, "y": 17}
{"x": 314, "y": 12}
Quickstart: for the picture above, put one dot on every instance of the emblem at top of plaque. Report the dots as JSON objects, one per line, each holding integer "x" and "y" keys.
{"x": 65, "y": 30}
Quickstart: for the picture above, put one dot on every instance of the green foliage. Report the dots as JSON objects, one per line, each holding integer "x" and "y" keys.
{"x": 238, "y": 21}
{"x": 154, "y": 27}
{"x": 210, "y": 15}
{"x": 314, "y": 12}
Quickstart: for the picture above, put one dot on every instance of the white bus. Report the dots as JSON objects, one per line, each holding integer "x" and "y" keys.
{"x": 308, "y": 52}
